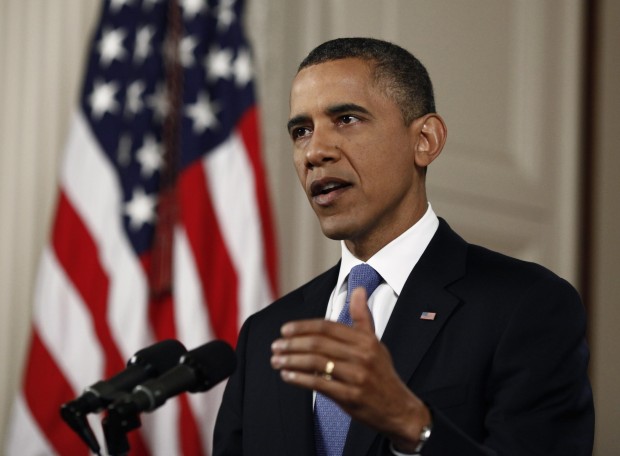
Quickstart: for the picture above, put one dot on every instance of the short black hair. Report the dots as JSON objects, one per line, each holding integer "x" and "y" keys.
{"x": 400, "y": 74}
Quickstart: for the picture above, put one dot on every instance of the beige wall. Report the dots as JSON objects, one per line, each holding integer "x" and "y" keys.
{"x": 505, "y": 73}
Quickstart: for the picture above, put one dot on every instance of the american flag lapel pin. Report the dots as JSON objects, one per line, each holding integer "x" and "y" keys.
{"x": 428, "y": 315}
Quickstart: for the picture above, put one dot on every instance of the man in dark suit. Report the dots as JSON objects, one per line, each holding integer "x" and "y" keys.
{"x": 458, "y": 350}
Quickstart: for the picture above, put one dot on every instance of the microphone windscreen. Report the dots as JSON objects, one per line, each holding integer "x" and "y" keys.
{"x": 212, "y": 362}
{"x": 160, "y": 356}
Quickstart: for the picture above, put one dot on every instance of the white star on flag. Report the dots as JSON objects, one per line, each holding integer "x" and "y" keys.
{"x": 116, "y": 5}
{"x": 102, "y": 98}
{"x": 186, "y": 51}
{"x": 140, "y": 209}
{"x": 191, "y": 8}
{"x": 134, "y": 103}
{"x": 158, "y": 101}
{"x": 242, "y": 68}
{"x": 111, "y": 46}
{"x": 218, "y": 63}
{"x": 150, "y": 156}
{"x": 203, "y": 113}
{"x": 143, "y": 43}
{"x": 225, "y": 14}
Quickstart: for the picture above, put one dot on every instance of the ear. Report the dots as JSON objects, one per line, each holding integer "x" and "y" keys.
{"x": 431, "y": 134}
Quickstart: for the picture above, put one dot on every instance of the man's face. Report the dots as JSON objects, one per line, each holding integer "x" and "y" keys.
{"x": 354, "y": 155}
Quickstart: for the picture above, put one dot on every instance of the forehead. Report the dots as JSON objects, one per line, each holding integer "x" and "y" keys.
{"x": 333, "y": 82}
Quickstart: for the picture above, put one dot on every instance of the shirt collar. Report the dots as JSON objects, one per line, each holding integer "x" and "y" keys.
{"x": 396, "y": 260}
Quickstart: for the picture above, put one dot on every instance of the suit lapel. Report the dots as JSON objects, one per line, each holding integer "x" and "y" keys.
{"x": 407, "y": 336}
{"x": 296, "y": 403}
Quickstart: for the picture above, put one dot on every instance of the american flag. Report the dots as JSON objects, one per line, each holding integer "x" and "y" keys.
{"x": 428, "y": 315}
{"x": 162, "y": 227}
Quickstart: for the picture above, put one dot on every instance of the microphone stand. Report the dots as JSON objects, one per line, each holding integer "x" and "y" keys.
{"x": 121, "y": 418}
{"x": 74, "y": 417}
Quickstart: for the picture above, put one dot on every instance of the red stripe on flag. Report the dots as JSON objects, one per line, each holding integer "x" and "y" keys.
{"x": 79, "y": 256}
{"x": 45, "y": 388}
{"x": 217, "y": 275}
{"x": 248, "y": 127}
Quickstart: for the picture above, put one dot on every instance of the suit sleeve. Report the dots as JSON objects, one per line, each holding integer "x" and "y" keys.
{"x": 538, "y": 392}
{"x": 228, "y": 438}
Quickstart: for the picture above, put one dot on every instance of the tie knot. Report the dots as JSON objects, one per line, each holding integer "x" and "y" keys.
{"x": 363, "y": 275}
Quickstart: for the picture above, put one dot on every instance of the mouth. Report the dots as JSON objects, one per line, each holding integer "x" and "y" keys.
{"x": 325, "y": 191}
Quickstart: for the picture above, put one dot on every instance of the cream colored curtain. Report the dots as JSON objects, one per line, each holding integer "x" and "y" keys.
{"x": 41, "y": 52}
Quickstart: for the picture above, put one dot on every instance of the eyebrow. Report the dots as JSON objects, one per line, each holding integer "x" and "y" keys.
{"x": 331, "y": 110}
{"x": 297, "y": 120}
{"x": 347, "y": 107}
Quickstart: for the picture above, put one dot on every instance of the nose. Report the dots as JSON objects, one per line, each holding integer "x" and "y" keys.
{"x": 321, "y": 149}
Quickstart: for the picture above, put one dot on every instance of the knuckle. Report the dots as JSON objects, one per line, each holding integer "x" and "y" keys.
{"x": 312, "y": 343}
{"x": 323, "y": 327}
{"x": 313, "y": 382}
{"x": 360, "y": 377}
{"x": 354, "y": 396}
{"x": 368, "y": 356}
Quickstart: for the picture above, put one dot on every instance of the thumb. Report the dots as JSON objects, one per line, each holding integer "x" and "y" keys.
{"x": 360, "y": 313}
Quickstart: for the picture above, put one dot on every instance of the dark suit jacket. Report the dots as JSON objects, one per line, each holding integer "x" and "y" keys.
{"x": 503, "y": 366}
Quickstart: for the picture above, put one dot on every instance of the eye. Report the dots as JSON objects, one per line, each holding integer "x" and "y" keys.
{"x": 348, "y": 119}
{"x": 299, "y": 132}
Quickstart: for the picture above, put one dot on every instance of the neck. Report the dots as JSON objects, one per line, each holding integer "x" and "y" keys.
{"x": 365, "y": 246}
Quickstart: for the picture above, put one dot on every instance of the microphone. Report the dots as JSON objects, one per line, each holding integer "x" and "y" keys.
{"x": 144, "y": 364}
{"x": 198, "y": 370}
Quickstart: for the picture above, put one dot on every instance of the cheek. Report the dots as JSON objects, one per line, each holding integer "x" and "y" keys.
{"x": 300, "y": 167}
{"x": 388, "y": 168}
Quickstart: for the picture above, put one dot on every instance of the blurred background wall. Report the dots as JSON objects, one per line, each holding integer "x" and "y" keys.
{"x": 528, "y": 89}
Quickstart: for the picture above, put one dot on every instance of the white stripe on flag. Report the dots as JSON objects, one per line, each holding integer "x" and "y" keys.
{"x": 23, "y": 434}
{"x": 65, "y": 326}
{"x": 232, "y": 185}
{"x": 205, "y": 407}
{"x": 161, "y": 429}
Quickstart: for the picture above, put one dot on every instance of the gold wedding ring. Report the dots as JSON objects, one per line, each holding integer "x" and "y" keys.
{"x": 329, "y": 369}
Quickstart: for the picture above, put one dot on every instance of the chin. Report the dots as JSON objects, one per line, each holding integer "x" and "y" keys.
{"x": 336, "y": 232}
{"x": 334, "y": 236}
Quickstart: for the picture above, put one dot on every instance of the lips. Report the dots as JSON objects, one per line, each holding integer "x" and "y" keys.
{"x": 326, "y": 190}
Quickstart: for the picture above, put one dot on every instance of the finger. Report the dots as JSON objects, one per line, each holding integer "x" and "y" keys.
{"x": 327, "y": 328}
{"x": 334, "y": 388}
{"x": 316, "y": 344}
{"x": 343, "y": 369}
{"x": 360, "y": 313}
{"x": 309, "y": 363}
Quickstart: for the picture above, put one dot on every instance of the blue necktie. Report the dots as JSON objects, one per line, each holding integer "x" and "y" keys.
{"x": 331, "y": 423}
